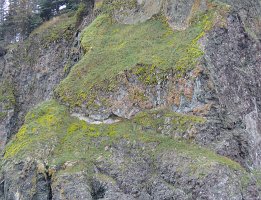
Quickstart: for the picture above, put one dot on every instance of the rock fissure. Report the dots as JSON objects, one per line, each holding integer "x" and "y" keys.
{"x": 90, "y": 120}
{"x": 49, "y": 183}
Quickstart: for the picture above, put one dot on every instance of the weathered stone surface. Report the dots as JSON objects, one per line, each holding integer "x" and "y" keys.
{"x": 137, "y": 12}
{"x": 34, "y": 68}
{"x": 71, "y": 186}
{"x": 233, "y": 58}
{"x": 21, "y": 181}
{"x": 33, "y": 83}
{"x": 131, "y": 173}
{"x": 177, "y": 12}
{"x": 250, "y": 14}
{"x": 133, "y": 95}
{"x": 224, "y": 89}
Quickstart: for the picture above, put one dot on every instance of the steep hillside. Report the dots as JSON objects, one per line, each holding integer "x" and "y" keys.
{"x": 145, "y": 99}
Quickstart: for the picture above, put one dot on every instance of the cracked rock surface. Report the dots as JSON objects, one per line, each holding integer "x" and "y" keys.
{"x": 185, "y": 125}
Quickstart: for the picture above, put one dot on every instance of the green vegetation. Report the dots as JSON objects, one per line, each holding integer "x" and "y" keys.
{"x": 98, "y": 5}
{"x": 19, "y": 18}
{"x": 147, "y": 74}
{"x": 57, "y": 29}
{"x": 2, "y": 115}
{"x": 109, "y": 6}
{"x": 50, "y": 132}
{"x": 253, "y": 178}
{"x": 81, "y": 12}
{"x": 60, "y": 27}
{"x": 7, "y": 98}
{"x": 111, "y": 48}
{"x": 203, "y": 157}
{"x": 156, "y": 119}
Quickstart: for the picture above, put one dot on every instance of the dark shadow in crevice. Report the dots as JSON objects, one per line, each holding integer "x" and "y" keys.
{"x": 98, "y": 190}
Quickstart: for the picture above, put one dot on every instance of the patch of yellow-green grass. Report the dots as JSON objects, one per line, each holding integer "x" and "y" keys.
{"x": 251, "y": 178}
{"x": 201, "y": 156}
{"x": 110, "y": 48}
{"x": 156, "y": 119}
{"x": 57, "y": 28}
{"x": 98, "y": 4}
{"x": 51, "y": 133}
{"x": 7, "y": 98}
{"x": 2, "y": 115}
{"x": 42, "y": 127}
{"x": 109, "y": 6}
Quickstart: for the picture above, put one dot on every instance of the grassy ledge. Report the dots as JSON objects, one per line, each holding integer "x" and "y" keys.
{"x": 51, "y": 133}
{"x": 110, "y": 48}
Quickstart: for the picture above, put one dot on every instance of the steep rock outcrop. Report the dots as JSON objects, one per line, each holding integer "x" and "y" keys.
{"x": 178, "y": 13}
{"x": 151, "y": 81}
{"x": 36, "y": 66}
{"x": 233, "y": 58}
{"x": 163, "y": 104}
{"x": 7, "y": 110}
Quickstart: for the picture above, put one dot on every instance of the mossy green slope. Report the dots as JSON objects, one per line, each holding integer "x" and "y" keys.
{"x": 7, "y": 94}
{"x": 50, "y": 133}
{"x": 111, "y": 48}
{"x": 7, "y": 98}
{"x": 60, "y": 27}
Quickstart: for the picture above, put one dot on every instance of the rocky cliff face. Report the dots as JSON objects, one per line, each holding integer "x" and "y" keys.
{"x": 146, "y": 100}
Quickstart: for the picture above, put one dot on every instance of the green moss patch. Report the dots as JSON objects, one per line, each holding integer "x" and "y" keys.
{"x": 60, "y": 27}
{"x": 110, "y": 48}
{"x": 157, "y": 119}
{"x": 202, "y": 157}
{"x": 51, "y": 133}
{"x": 109, "y": 6}
{"x": 7, "y": 98}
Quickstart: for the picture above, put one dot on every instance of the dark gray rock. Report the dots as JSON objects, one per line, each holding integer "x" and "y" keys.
{"x": 71, "y": 186}
{"x": 233, "y": 59}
